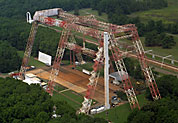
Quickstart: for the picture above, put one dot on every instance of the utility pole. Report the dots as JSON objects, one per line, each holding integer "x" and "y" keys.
{"x": 106, "y": 70}
{"x": 164, "y": 58}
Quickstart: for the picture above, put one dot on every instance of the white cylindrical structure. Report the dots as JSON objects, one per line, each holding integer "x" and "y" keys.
{"x": 29, "y": 18}
{"x": 106, "y": 70}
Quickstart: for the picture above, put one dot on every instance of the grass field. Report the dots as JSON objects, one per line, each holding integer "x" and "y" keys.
{"x": 60, "y": 97}
{"x": 59, "y": 88}
{"x": 32, "y": 61}
{"x": 164, "y": 52}
{"x": 74, "y": 95}
{"x": 87, "y": 66}
{"x": 120, "y": 113}
{"x": 66, "y": 62}
{"x": 89, "y": 11}
{"x": 167, "y": 15}
{"x": 72, "y": 98}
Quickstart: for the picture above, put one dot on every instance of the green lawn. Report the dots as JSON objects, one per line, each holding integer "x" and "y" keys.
{"x": 66, "y": 62}
{"x": 68, "y": 96}
{"x": 87, "y": 66}
{"x": 32, "y": 61}
{"x": 59, "y": 87}
{"x": 74, "y": 95}
{"x": 167, "y": 15}
{"x": 72, "y": 98}
{"x": 142, "y": 100}
{"x": 119, "y": 114}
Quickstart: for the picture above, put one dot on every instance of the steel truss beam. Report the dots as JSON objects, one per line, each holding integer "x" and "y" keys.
{"x": 150, "y": 80}
{"x": 122, "y": 71}
{"x": 93, "y": 81}
{"x": 91, "y": 27}
{"x": 28, "y": 50}
{"x": 77, "y": 49}
{"x": 57, "y": 61}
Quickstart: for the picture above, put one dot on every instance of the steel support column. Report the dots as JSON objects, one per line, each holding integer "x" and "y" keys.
{"x": 106, "y": 70}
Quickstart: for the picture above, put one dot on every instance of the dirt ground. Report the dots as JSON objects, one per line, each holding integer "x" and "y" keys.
{"x": 76, "y": 81}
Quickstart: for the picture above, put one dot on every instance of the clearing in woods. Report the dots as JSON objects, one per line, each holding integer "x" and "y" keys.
{"x": 167, "y": 15}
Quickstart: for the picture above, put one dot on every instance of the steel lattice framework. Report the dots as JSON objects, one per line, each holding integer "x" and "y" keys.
{"x": 89, "y": 26}
{"x": 28, "y": 50}
{"x": 124, "y": 75}
{"x": 57, "y": 60}
{"x": 145, "y": 68}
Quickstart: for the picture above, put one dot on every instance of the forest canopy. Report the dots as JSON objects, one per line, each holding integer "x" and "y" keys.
{"x": 9, "y": 59}
{"x": 160, "y": 111}
{"x": 23, "y": 103}
{"x": 18, "y": 8}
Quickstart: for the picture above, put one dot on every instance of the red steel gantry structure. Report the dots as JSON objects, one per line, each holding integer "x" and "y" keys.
{"x": 89, "y": 26}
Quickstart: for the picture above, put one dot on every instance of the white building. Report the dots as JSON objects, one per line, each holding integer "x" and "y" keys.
{"x": 31, "y": 79}
{"x": 117, "y": 78}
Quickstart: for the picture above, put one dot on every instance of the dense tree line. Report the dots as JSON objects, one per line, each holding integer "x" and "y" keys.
{"x": 149, "y": 26}
{"x": 120, "y": 7}
{"x": 16, "y": 32}
{"x": 172, "y": 28}
{"x": 20, "y": 102}
{"x": 143, "y": 28}
{"x": 23, "y": 103}
{"x": 164, "y": 110}
{"x": 14, "y": 35}
{"x": 155, "y": 39}
{"x": 9, "y": 59}
{"x": 153, "y": 31}
{"x": 168, "y": 87}
{"x": 18, "y": 8}
{"x": 155, "y": 34}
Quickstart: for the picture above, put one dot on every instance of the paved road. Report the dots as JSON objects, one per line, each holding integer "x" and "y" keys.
{"x": 165, "y": 71}
{"x": 158, "y": 63}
